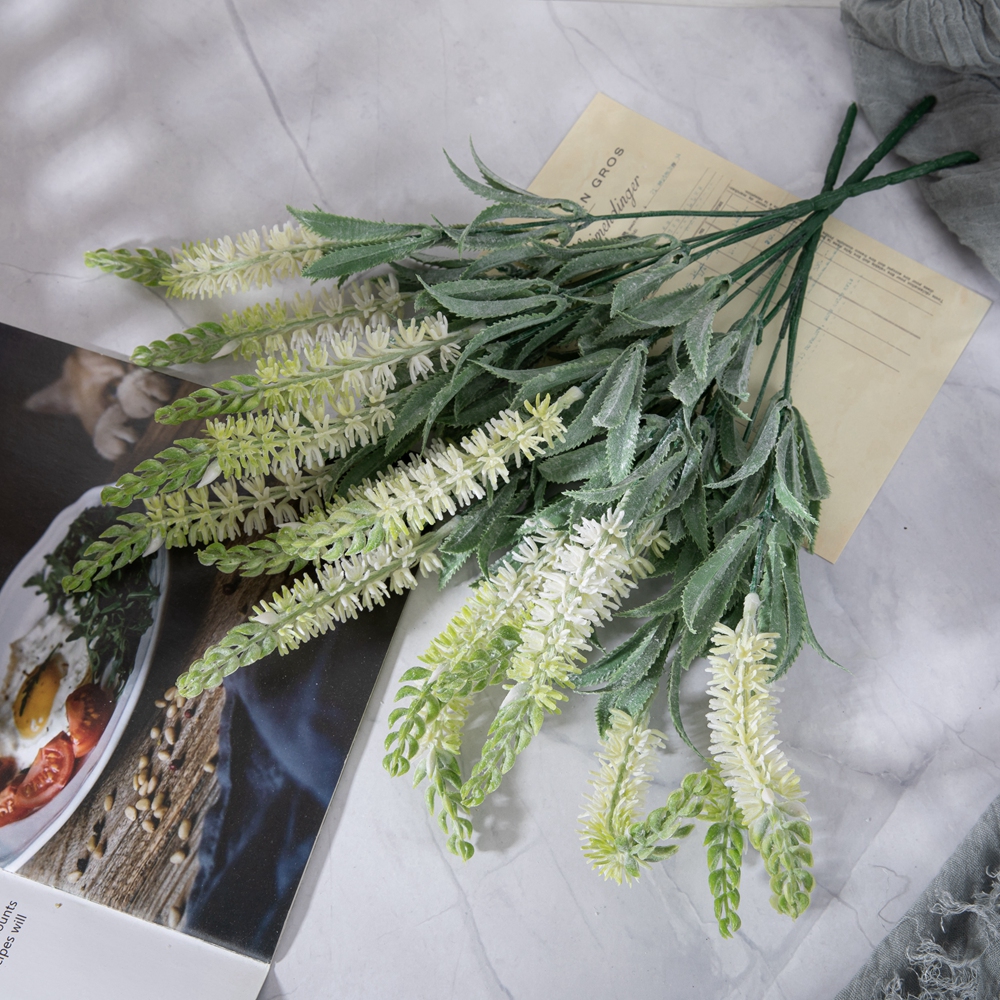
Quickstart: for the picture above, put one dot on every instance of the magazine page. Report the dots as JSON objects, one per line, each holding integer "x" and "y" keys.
{"x": 187, "y": 818}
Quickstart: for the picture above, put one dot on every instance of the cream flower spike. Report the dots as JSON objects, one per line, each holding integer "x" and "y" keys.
{"x": 742, "y": 720}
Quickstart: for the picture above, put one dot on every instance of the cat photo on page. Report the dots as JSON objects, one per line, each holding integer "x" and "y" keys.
{"x": 106, "y": 396}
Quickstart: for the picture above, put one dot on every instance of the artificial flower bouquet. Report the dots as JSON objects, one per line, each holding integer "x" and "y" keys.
{"x": 558, "y": 408}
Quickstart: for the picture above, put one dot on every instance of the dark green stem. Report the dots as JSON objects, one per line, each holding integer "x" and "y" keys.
{"x": 837, "y": 159}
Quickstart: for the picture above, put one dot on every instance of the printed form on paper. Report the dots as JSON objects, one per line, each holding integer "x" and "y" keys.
{"x": 879, "y": 332}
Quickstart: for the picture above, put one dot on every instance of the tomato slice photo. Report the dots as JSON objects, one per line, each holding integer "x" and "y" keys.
{"x": 48, "y": 774}
{"x": 8, "y": 768}
{"x": 10, "y": 809}
{"x": 88, "y": 710}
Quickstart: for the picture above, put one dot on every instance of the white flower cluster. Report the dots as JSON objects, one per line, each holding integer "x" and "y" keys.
{"x": 742, "y": 720}
{"x": 191, "y": 517}
{"x": 342, "y": 589}
{"x": 619, "y": 786}
{"x": 287, "y": 441}
{"x": 274, "y": 328}
{"x": 421, "y": 491}
{"x": 502, "y": 599}
{"x": 591, "y": 572}
{"x": 418, "y": 492}
{"x": 251, "y": 260}
{"x": 341, "y": 367}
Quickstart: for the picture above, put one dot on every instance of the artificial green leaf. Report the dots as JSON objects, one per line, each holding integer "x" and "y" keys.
{"x": 501, "y": 533}
{"x": 786, "y": 480}
{"x": 620, "y": 328}
{"x": 558, "y": 331}
{"x": 677, "y": 307}
{"x": 552, "y": 377}
{"x": 624, "y": 375}
{"x": 674, "y": 697}
{"x": 503, "y": 328}
{"x": 473, "y": 524}
{"x": 519, "y": 253}
{"x": 696, "y": 333}
{"x": 740, "y": 500}
{"x": 445, "y": 395}
{"x": 711, "y": 586}
{"x": 344, "y": 229}
{"x": 646, "y": 495}
{"x": 632, "y": 289}
{"x": 413, "y": 411}
{"x": 634, "y": 700}
{"x": 575, "y": 466}
{"x": 816, "y": 484}
{"x": 641, "y": 647}
{"x": 762, "y": 446}
{"x": 352, "y": 259}
{"x": 493, "y": 298}
{"x": 624, "y": 437}
{"x": 598, "y": 260}
{"x": 731, "y": 445}
{"x": 736, "y": 378}
{"x": 695, "y": 516}
{"x": 497, "y": 182}
{"x": 793, "y": 590}
{"x": 685, "y": 483}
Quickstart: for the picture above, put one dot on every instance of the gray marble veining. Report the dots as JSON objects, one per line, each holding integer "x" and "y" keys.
{"x": 150, "y": 124}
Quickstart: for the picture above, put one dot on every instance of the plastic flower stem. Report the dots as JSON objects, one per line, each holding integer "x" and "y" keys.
{"x": 767, "y": 289}
{"x": 791, "y": 295}
{"x": 865, "y": 167}
{"x": 767, "y": 293}
{"x": 837, "y": 159}
{"x": 803, "y": 268}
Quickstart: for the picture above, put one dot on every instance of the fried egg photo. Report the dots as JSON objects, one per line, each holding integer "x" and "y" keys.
{"x": 44, "y": 668}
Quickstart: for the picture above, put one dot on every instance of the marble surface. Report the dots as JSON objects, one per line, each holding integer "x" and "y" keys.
{"x": 141, "y": 123}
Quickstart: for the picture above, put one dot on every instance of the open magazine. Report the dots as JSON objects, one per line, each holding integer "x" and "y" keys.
{"x": 136, "y": 826}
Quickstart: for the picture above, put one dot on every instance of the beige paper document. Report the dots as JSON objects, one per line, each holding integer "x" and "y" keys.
{"x": 879, "y": 332}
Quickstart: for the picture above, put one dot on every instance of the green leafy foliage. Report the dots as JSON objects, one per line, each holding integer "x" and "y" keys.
{"x": 718, "y": 497}
{"x": 112, "y": 613}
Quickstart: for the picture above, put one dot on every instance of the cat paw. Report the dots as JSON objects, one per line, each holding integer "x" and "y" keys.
{"x": 113, "y": 436}
{"x": 141, "y": 393}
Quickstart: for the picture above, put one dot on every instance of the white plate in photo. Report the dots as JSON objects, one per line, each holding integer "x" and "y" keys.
{"x": 21, "y": 608}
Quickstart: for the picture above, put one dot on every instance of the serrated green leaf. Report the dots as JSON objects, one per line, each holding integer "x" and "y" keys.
{"x": 597, "y": 260}
{"x": 695, "y": 516}
{"x": 677, "y": 668}
{"x": 786, "y": 479}
{"x": 344, "y": 229}
{"x": 817, "y": 486}
{"x": 731, "y": 445}
{"x": 575, "y": 466}
{"x": 352, "y": 259}
{"x": 623, "y": 438}
{"x": 502, "y": 328}
{"x": 623, "y": 376}
{"x": 711, "y": 586}
{"x": 736, "y": 378}
{"x": 623, "y": 668}
{"x": 413, "y": 412}
{"x": 633, "y": 288}
{"x": 445, "y": 395}
{"x": 494, "y": 298}
{"x": 678, "y": 307}
{"x": 793, "y": 591}
{"x": 520, "y": 252}
{"x": 647, "y": 494}
{"x": 762, "y": 447}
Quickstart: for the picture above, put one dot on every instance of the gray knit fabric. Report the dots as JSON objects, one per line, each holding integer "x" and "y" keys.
{"x": 947, "y": 947}
{"x": 905, "y": 49}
